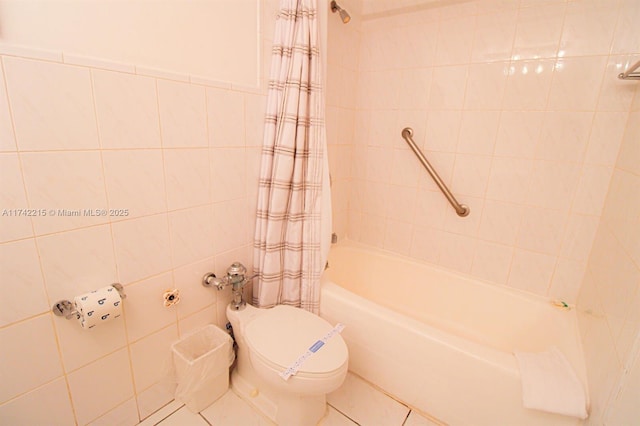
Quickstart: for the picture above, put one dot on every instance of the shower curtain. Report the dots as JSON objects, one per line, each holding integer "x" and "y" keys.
{"x": 287, "y": 243}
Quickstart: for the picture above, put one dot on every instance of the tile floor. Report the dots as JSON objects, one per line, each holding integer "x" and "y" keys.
{"x": 355, "y": 403}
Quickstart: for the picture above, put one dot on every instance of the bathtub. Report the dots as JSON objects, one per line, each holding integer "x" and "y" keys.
{"x": 442, "y": 342}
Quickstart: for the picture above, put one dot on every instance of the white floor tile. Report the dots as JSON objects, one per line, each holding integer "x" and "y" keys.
{"x": 366, "y": 405}
{"x": 231, "y": 410}
{"x": 184, "y": 417}
{"x": 161, "y": 414}
{"x": 416, "y": 419}
{"x": 336, "y": 418}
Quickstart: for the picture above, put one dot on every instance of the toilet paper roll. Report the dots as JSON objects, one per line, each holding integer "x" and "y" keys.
{"x": 98, "y": 307}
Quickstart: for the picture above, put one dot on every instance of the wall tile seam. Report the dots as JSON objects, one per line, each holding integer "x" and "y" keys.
{"x": 568, "y": 211}
{"x": 23, "y": 394}
{"x": 125, "y": 149}
{"x": 597, "y": 110}
{"x": 627, "y": 171}
{"x": 118, "y": 220}
{"x": 105, "y": 189}
{"x": 606, "y": 317}
{"x": 627, "y": 127}
{"x": 511, "y": 61}
{"x": 173, "y": 323}
{"x": 32, "y": 55}
{"x": 25, "y": 319}
{"x": 49, "y": 313}
{"x": 496, "y": 12}
{"x": 469, "y": 272}
{"x": 189, "y": 315}
{"x": 127, "y": 398}
{"x": 623, "y": 247}
{"x": 132, "y": 376}
{"x": 19, "y": 157}
{"x": 133, "y": 398}
{"x": 166, "y": 200}
{"x": 6, "y": 91}
{"x": 94, "y": 225}
{"x": 86, "y": 364}
{"x": 473, "y": 235}
{"x": 371, "y": 18}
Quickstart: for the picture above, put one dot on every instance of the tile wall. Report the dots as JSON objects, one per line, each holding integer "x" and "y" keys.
{"x": 181, "y": 155}
{"x": 342, "y": 82}
{"x": 609, "y": 302}
{"x": 517, "y": 106}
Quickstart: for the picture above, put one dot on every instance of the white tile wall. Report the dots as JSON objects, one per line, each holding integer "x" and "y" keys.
{"x": 563, "y": 153}
{"x": 127, "y": 110}
{"x": 150, "y": 360}
{"x": 86, "y": 263}
{"x": 144, "y": 318}
{"x": 183, "y": 114}
{"x": 142, "y": 247}
{"x": 64, "y": 180}
{"x": 191, "y": 233}
{"x": 21, "y": 268}
{"x": 169, "y": 152}
{"x": 7, "y": 140}
{"x": 123, "y": 415}
{"x": 51, "y": 105}
{"x": 13, "y": 197}
{"x": 517, "y": 106}
{"x": 31, "y": 360}
{"x": 48, "y": 404}
{"x": 187, "y": 168}
{"x": 609, "y": 299}
{"x": 100, "y": 386}
{"x": 135, "y": 181}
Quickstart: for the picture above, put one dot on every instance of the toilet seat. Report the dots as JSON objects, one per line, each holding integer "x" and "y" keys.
{"x": 284, "y": 333}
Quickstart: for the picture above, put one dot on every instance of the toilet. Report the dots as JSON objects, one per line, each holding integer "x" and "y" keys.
{"x": 270, "y": 341}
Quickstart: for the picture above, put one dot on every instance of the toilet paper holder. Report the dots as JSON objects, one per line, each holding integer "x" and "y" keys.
{"x": 66, "y": 308}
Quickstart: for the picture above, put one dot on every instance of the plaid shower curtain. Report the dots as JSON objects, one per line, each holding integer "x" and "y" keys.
{"x": 287, "y": 237}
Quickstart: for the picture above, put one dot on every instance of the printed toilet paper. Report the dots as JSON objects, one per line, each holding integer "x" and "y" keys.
{"x": 98, "y": 306}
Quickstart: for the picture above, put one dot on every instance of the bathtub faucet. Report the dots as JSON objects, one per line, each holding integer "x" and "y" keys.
{"x": 236, "y": 278}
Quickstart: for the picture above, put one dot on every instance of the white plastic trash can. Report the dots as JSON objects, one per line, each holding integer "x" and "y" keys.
{"x": 202, "y": 360}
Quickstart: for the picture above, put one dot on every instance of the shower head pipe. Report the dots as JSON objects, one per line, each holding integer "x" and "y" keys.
{"x": 344, "y": 15}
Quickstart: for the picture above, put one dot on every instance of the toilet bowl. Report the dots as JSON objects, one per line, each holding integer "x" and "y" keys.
{"x": 270, "y": 341}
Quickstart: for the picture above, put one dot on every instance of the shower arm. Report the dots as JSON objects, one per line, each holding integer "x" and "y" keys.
{"x": 461, "y": 209}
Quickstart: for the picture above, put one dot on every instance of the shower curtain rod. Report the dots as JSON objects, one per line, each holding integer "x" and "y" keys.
{"x": 631, "y": 73}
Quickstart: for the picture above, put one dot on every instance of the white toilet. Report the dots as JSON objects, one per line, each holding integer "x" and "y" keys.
{"x": 270, "y": 341}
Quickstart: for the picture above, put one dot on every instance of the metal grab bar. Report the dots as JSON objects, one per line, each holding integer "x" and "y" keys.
{"x": 461, "y": 209}
{"x": 631, "y": 73}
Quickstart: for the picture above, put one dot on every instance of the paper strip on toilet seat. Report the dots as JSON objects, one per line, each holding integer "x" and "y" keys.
{"x": 293, "y": 368}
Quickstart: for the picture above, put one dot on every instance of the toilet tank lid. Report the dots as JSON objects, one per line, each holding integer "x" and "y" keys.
{"x": 284, "y": 333}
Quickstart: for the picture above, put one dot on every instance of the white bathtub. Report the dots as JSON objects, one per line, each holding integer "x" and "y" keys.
{"x": 442, "y": 342}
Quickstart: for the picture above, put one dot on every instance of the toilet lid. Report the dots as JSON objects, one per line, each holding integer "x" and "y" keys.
{"x": 284, "y": 333}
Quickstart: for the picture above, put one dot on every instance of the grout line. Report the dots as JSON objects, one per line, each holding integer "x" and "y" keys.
{"x": 342, "y": 413}
{"x": 167, "y": 416}
{"x": 54, "y": 329}
{"x": 406, "y": 418}
{"x": 205, "y": 419}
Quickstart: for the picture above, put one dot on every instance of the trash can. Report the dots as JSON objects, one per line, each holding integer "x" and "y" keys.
{"x": 202, "y": 360}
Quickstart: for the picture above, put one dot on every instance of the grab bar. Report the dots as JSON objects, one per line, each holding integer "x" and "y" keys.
{"x": 461, "y": 209}
{"x": 631, "y": 73}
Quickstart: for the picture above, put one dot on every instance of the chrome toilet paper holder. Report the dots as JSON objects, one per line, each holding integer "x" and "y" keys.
{"x": 66, "y": 308}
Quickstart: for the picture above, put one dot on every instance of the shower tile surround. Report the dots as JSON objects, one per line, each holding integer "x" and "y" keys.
{"x": 516, "y": 105}
{"x": 181, "y": 154}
